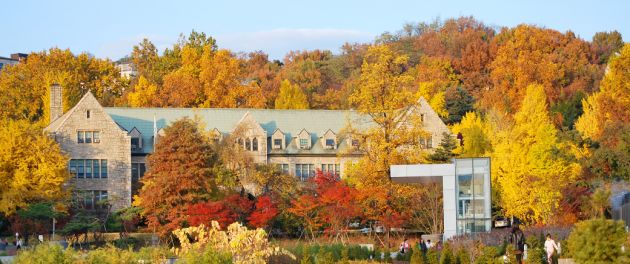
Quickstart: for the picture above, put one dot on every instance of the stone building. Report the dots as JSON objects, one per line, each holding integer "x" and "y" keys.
{"x": 108, "y": 146}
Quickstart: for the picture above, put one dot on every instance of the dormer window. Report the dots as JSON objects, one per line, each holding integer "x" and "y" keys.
{"x": 304, "y": 139}
{"x": 277, "y": 139}
{"x": 303, "y": 143}
{"x": 329, "y": 140}
{"x": 277, "y": 143}
{"x": 136, "y": 140}
{"x": 355, "y": 143}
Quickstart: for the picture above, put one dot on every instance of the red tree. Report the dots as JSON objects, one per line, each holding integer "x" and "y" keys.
{"x": 206, "y": 212}
{"x": 263, "y": 213}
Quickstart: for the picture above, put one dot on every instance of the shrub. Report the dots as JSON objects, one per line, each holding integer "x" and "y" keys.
{"x": 208, "y": 255}
{"x": 125, "y": 243}
{"x": 535, "y": 249}
{"x": 45, "y": 253}
{"x": 447, "y": 256}
{"x": 432, "y": 256}
{"x": 598, "y": 241}
{"x": 488, "y": 256}
{"x": 417, "y": 257}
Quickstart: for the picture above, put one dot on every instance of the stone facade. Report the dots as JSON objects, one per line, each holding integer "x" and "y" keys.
{"x": 297, "y": 141}
{"x": 113, "y": 146}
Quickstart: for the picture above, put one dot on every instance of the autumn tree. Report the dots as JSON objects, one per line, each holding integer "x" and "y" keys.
{"x": 385, "y": 100}
{"x": 291, "y": 97}
{"x": 435, "y": 76}
{"x": 24, "y": 86}
{"x": 562, "y": 66}
{"x": 143, "y": 94}
{"x": 32, "y": 167}
{"x": 528, "y": 165}
{"x": 180, "y": 175}
{"x": 475, "y": 136}
{"x": 146, "y": 59}
{"x": 265, "y": 210}
{"x": 606, "y": 44}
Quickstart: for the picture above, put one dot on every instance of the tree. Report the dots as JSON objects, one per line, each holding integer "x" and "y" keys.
{"x": 180, "y": 175}
{"x": 264, "y": 212}
{"x": 444, "y": 152}
{"x": 475, "y": 136}
{"x": 605, "y": 44}
{"x": 435, "y": 76}
{"x": 608, "y": 249}
{"x": 145, "y": 58}
{"x": 458, "y": 103}
{"x": 291, "y": 97}
{"x": 562, "y": 66}
{"x": 610, "y": 105}
{"x": 528, "y": 164}
{"x": 24, "y": 92}
{"x": 32, "y": 167}
{"x": 384, "y": 98}
{"x": 143, "y": 93}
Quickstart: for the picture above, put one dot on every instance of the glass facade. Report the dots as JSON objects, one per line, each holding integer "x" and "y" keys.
{"x": 473, "y": 195}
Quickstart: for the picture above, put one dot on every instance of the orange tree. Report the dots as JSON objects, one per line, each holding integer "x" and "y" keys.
{"x": 181, "y": 174}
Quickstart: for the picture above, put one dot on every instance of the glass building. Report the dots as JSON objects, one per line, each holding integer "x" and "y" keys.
{"x": 466, "y": 191}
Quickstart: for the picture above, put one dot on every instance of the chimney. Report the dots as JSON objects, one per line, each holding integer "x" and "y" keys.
{"x": 56, "y": 102}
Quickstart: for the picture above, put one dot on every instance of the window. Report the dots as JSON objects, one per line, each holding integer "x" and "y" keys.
{"x": 426, "y": 142}
{"x": 137, "y": 171}
{"x": 277, "y": 143}
{"x": 304, "y": 143}
{"x": 430, "y": 142}
{"x": 255, "y": 144}
{"x": 87, "y": 113}
{"x": 103, "y": 168}
{"x": 80, "y": 137}
{"x": 88, "y": 168}
{"x": 422, "y": 118}
{"x": 91, "y": 199}
{"x": 304, "y": 171}
{"x": 135, "y": 144}
{"x": 284, "y": 168}
{"x": 330, "y": 143}
{"x": 88, "y": 137}
{"x": 248, "y": 144}
{"x": 331, "y": 168}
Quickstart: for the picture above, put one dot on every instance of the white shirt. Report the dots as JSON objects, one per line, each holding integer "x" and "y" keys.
{"x": 550, "y": 246}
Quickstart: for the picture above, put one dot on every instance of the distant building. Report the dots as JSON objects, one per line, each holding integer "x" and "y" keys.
{"x": 127, "y": 70}
{"x": 108, "y": 146}
{"x": 14, "y": 59}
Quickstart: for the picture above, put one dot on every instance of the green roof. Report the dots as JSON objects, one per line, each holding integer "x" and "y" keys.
{"x": 290, "y": 122}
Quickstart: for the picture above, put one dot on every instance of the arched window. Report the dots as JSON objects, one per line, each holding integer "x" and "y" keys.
{"x": 248, "y": 144}
{"x": 255, "y": 144}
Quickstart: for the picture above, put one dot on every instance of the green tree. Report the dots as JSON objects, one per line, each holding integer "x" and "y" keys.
{"x": 598, "y": 241}
{"x": 32, "y": 167}
{"x": 444, "y": 152}
{"x": 527, "y": 165}
{"x": 181, "y": 174}
{"x": 458, "y": 103}
{"x": 291, "y": 97}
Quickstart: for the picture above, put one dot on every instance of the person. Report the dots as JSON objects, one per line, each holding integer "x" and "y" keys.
{"x": 550, "y": 248}
{"x": 18, "y": 243}
{"x": 404, "y": 247}
{"x": 3, "y": 244}
{"x": 517, "y": 239}
{"x": 422, "y": 246}
{"x": 429, "y": 244}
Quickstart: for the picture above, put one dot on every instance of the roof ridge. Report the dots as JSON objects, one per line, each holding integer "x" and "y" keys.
{"x": 229, "y": 109}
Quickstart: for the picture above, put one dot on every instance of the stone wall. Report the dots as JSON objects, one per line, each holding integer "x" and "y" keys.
{"x": 114, "y": 146}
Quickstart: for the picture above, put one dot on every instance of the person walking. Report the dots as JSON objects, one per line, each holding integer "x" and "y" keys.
{"x": 517, "y": 239}
{"x": 550, "y": 248}
{"x": 404, "y": 246}
{"x": 423, "y": 247}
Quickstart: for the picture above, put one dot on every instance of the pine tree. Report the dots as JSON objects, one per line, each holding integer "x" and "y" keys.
{"x": 444, "y": 152}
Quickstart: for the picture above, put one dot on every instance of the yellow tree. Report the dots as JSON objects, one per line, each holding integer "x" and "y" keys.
{"x": 32, "y": 167}
{"x": 610, "y": 105}
{"x": 435, "y": 75}
{"x": 475, "y": 132}
{"x": 291, "y": 97}
{"x": 385, "y": 100}
{"x": 143, "y": 93}
{"x": 527, "y": 168}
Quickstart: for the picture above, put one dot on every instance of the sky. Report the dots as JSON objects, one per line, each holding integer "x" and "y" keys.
{"x": 110, "y": 28}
